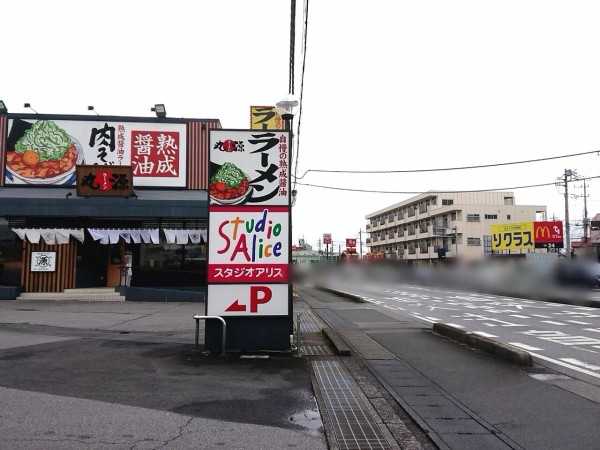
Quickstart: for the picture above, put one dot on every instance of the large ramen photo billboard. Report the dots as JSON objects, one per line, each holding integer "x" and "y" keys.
{"x": 46, "y": 151}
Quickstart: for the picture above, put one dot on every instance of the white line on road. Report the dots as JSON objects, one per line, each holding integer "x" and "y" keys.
{"x": 424, "y": 318}
{"x": 525, "y": 346}
{"x": 570, "y": 366}
{"x": 553, "y": 323}
{"x": 576, "y": 362}
{"x": 543, "y": 317}
{"x": 520, "y": 316}
{"x": 595, "y": 330}
{"x": 578, "y": 322}
{"x": 484, "y": 334}
{"x": 455, "y": 325}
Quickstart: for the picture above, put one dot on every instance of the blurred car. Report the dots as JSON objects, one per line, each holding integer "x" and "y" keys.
{"x": 578, "y": 274}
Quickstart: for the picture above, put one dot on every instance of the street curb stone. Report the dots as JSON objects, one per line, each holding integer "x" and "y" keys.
{"x": 337, "y": 342}
{"x": 505, "y": 351}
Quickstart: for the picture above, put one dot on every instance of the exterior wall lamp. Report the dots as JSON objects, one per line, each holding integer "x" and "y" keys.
{"x": 159, "y": 110}
{"x": 28, "y": 105}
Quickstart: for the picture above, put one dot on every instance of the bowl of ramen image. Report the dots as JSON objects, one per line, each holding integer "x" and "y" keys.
{"x": 45, "y": 154}
{"x": 229, "y": 186}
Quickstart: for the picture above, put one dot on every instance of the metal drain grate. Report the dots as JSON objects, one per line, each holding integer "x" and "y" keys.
{"x": 352, "y": 424}
{"x": 315, "y": 350}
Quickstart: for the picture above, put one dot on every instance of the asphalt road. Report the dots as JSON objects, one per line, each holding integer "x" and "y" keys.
{"x": 564, "y": 336}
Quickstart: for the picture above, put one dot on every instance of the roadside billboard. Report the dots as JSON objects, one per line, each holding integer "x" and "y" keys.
{"x": 265, "y": 118}
{"x": 548, "y": 234}
{"x": 249, "y": 237}
{"x": 46, "y": 151}
{"x": 248, "y": 245}
{"x": 527, "y": 235}
{"x": 512, "y": 236}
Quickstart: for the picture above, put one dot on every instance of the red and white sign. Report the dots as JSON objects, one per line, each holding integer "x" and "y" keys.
{"x": 548, "y": 232}
{"x": 327, "y": 238}
{"x": 247, "y": 300}
{"x": 252, "y": 164}
{"x": 248, "y": 244}
{"x": 156, "y": 152}
{"x": 350, "y": 242}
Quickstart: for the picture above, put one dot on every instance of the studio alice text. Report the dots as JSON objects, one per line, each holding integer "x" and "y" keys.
{"x": 250, "y": 238}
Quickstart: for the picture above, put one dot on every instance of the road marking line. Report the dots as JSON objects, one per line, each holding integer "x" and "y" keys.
{"x": 455, "y": 325}
{"x": 423, "y": 318}
{"x": 525, "y": 346}
{"x": 595, "y": 330}
{"x": 553, "y": 323}
{"x": 484, "y": 334}
{"x": 576, "y": 362}
{"x": 520, "y": 316}
{"x": 578, "y": 322}
{"x": 490, "y": 325}
{"x": 543, "y": 317}
{"x": 570, "y": 366}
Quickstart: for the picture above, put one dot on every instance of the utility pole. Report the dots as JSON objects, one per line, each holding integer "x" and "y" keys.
{"x": 585, "y": 217}
{"x": 360, "y": 243}
{"x": 456, "y": 240}
{"x": 568, "y": 176}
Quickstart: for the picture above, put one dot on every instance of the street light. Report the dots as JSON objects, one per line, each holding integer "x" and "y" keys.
{"x": 286, "y": 108}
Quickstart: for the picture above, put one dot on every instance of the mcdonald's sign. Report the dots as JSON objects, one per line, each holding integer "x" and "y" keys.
{"x": 547, "y": 234}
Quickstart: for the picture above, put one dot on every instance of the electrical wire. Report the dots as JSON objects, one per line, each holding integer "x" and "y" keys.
{"x": 445, "y": 169}
{"x": 297, "y": 140}
{"x": 421, "y": 192}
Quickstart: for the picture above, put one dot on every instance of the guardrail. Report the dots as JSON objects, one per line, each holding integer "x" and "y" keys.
{"x": 223, "y": 338}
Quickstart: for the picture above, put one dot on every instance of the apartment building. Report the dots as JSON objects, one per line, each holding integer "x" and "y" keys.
{"x": 447, "y": 224}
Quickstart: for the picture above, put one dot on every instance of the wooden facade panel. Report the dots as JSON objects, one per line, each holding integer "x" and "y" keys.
{"x": 59, "y": 280}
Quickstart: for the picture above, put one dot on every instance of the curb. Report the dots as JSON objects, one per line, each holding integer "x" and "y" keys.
{"x": 349, "y": 296}
{"x": 505, "y": 351}
{"x": 337, "y": 342}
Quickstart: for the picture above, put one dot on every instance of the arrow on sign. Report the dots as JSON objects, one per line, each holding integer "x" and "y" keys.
{"x": 235, "y": 306}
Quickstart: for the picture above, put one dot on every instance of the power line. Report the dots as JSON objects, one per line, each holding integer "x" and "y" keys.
{"x": 445, "y": 169}
{"x": 304, "y": 40}
{"x": 421, "y": 192}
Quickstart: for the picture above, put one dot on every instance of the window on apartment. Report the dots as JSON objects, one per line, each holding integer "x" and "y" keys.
{"x": 491, "y": 216}
{"x": 447, "y": 201}
{"x": 472, "y": 217}
{"x": 474, "y": 241}
{"x": 453, "y": 216}
{"x": 508, "y": 217}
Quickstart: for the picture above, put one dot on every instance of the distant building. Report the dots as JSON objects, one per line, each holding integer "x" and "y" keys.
{"x": 589, "y": 245}
{"x": 438, "y": 224}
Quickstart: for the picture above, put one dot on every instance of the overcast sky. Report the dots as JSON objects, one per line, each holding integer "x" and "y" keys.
{"x": 385, "y": 85}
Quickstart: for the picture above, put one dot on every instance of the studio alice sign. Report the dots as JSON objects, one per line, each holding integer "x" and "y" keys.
{"x": 249, "y": 244}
